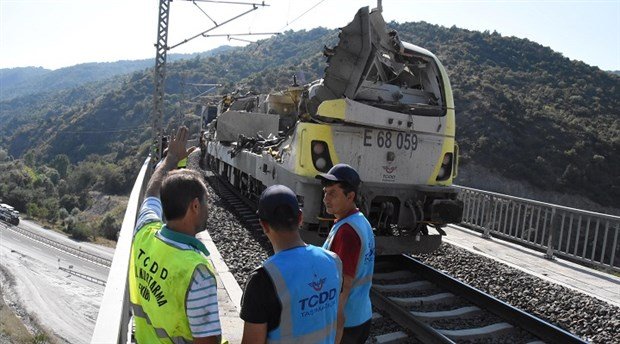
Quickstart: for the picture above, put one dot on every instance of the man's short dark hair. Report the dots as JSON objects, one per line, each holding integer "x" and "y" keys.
{"x": 278, "y": 206}
{"x": 283, "y": 220}
{"x": 177, "y": 191}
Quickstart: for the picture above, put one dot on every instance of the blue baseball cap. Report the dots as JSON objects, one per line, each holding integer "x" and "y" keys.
{"x": 341, "y": 173}
{"x": 274, "y": 197}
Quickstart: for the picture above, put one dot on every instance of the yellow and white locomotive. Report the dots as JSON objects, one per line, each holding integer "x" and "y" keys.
{"x": 384, "y": 107}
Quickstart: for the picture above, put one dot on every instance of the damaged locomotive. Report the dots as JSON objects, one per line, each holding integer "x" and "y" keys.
{"x": 384, "y": 107}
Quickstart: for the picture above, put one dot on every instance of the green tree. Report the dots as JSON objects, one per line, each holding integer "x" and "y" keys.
{"x": 61, "y": 163}
{"x": 30, "y": 158}
{"x": 63, "y": 213}
{"x": 108, "y": 227}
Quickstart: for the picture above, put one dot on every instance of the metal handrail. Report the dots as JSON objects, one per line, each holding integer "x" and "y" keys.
{"x": 62, "y": 247}
{"x": 584, "y": 236}
{"x": 113, "y": 319}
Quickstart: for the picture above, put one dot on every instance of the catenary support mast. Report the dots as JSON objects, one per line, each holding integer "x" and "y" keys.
{"x": 159, "y": 77}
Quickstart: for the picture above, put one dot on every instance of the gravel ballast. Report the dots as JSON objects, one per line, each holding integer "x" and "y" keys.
{"x": 588, "y": 317}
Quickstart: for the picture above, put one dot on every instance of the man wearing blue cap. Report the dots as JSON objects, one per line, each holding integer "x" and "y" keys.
{"x": 352, "y": 239}
{"x": 293, "y": 296}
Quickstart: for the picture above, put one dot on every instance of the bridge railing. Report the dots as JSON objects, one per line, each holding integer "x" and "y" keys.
{"x": 583, "y": 236}
{"x": 113, "y": 319}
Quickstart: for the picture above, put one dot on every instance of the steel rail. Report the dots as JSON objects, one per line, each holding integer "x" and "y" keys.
{"x": 537, "y": 327}
{"x": 402, "y": 317}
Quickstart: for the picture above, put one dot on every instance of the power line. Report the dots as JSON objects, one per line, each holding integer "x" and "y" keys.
{"x": 205, "y": 13}
{"x": 234, "y": 2}
{"x": 254, "y": 7}
{"x": 104, "y": 131}
{"x": 301, "y": 15}
{"x": 242, "y": 34}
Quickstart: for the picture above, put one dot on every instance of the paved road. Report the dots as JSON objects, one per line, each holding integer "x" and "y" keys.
{"x": 67, "y": 305}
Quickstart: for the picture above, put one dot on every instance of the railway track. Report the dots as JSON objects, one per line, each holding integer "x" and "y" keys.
{"x": 440, "y": 309}
{"x": 244, "y": 208}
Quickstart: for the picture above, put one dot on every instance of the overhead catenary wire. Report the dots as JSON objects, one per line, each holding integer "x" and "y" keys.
{"x": 242, "y": 34}
{"x": 104, "y": 131}
{"x": 211, "y": 29}
{"x": 205, "y": 13}
{"x": 254, "y": 7}
{"x": 301, "y": 15}
{"x": 234, "y": 2}
{"x": 240, "y": 40}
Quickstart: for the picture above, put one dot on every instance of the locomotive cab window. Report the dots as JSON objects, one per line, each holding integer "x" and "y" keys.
{"x": 408, "y": 83}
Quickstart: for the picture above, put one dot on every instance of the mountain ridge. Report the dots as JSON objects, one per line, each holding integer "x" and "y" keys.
{"x": 22, "y": 81}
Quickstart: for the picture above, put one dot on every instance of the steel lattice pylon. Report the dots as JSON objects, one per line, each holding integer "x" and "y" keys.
{"x": 159, "y": 78}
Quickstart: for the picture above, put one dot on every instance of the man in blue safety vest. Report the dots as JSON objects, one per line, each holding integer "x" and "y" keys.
{"x": 351, "y": 237}
{"x": 293, "y": 296}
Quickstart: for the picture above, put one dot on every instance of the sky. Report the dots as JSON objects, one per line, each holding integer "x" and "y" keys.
{"x": 60, "y": 33}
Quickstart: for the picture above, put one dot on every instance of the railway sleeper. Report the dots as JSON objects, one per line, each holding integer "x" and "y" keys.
{"x": 412, "y": 301}
{"x": 417, "y": 285}
{"x": 494, "y": 331}
{"x": 392, "y": 338}
{"x": 392, "y": 275}
{"x": 460, "y": 313}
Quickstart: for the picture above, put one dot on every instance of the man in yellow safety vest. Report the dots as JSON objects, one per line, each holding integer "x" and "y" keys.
{"x": 173, "y": 290}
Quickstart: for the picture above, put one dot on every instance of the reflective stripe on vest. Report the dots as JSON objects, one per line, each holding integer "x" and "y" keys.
{"x": 358, "y": 308}
{"x": 160, "y": 275}
{"x": 161, "y": 333}
{"x": 308, "y": 282}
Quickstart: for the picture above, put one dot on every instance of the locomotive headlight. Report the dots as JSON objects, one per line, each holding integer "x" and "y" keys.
{"x": 446, "y": 159}
{"x": 318, "y": 148}
{"x": 320, "y": 156}
{"x": 446, "y": 167}
{"x": 442, "y": 173}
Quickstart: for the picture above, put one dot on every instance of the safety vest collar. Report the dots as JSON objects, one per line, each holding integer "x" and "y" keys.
{"x": 352, "y": 212}
{"x": 183, "y": 239}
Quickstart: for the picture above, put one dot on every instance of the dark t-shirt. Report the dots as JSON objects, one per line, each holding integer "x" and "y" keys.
{"x": 260, "y": 303}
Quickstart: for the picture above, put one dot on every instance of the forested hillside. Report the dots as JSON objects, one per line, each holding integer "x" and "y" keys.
{"x": 524, "y": 112}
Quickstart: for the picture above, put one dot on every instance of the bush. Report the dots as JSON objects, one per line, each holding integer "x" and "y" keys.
{"x": 63, "y": 214}
{"x": 77, "y": 229}
{"x": 70, "y": 201}
{"x": 108, "y": 227}
{"x": 81, "y": 231}
{"x": 70, "y": 223}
